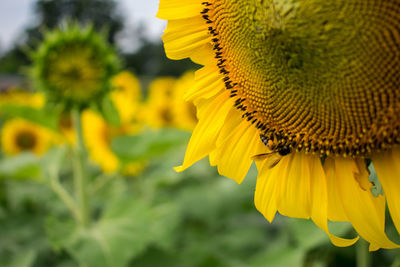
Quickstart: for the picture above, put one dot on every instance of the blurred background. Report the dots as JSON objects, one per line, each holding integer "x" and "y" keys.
{"x": 138, "y": 210}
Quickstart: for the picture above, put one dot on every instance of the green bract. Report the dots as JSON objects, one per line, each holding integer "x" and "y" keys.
{"x": 73, "y": 65}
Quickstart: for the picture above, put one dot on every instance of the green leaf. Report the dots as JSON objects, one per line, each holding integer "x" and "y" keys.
{"x": 280, "y": 257}
{"x": 307, "y": 235}
{"x": 110, "y": 112}
{"x": 23, "y": 259}
{"x": 148, "y": 144}
{"x": 52, "y": 161}
{"x": 44, "y": 117}
{"x": 21, "y": 166}
{"x": 376, "y": 188}
{"x": 124, "y": 231}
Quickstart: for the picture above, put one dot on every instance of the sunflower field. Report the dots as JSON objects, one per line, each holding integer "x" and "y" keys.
{"x": 276, "y": 144}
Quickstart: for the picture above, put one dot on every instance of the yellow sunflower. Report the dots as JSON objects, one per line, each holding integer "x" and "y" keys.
{"x": 20, "y": 97}
{"x": 66, "y": 127}
{"x": 308, "y": 89}
{"x": 73, "y": 65}
{"x": 19, "y": 135}
{"x": 97, "y": 135}
{"x": 183, "y": 112}
{"x": 126, "y": 96}
{"x": 158, "y": 109}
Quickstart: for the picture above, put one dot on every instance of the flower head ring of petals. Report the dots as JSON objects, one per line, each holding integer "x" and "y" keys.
{"x": 313, "y": 87}
{"x": 74, "y": 65}
{"x": 19, "y": 135}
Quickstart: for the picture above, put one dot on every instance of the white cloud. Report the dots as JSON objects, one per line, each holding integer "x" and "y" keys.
{"x": 15, "y": 15}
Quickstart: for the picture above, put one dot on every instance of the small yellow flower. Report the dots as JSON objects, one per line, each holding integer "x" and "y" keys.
{"x": 19, "y": 97}
{"x": 97, "y": 135}
{"x": 126, "y": 96}
{"x": 183, "y": 112}
{"x": 19, "y": 135}
{"x": 66, "y": 127}
{"x": 158, "y": 109}
{"x": 133, "y": 168}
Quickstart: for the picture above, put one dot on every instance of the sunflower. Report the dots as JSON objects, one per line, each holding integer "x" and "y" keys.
{"x": 97, "y": 135}
{"x": 183, "y": 112}
{"x": 19, "y": 135}
{"x": 74, "y": 65}
{"x": 307, "y": 89}
{"x": 126, "y": 96}
{"x": 20, "y": 97}
{"x": 158, "y": 109}
{"x": 66, "y": 128}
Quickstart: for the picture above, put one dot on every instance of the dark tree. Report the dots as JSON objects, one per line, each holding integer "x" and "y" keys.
{"x": 102, "y": 14}
{"x": 151, "y": 60}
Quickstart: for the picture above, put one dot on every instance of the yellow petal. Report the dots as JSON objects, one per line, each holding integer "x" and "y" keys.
{"x": 295, "y": 188}
{"x": 234, "y": 156}
{"x": 178, "y": 9}
{"x": 365, "y": 212}
{"x": 184, "y": 37}
{"x": 387, "y": 166}
{"x": 233, "y": 123}
{"x": 319, "y": 199}
{"x": 335, "y": 206}
{"x": 208, "y": 84}
{"x": 267, "y": 192}
{"x": 212, "y": 115}
{"x": 204, "y": 55}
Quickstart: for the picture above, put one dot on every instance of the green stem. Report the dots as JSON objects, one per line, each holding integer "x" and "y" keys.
{"x": 79, "y": 169}
{"x": 100, "y": 182}
{"x": 65, "y": 197}
{"x": 363, "y": 255}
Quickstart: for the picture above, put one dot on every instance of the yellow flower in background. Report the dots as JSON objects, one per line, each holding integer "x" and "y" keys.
{"x": 20, "y": 97}
{"x": 126, "y": 96}
{"x": 183, "y": 112}
{"x": 310, "y": 90}
{"x": 74, "y": 66}
{"x": 158, "y": 111}
{"x": 97, "y": 135}
{"x": 133, "y": 168}
{"x": 18, "y": 135}
{"x": 66, "y": 127}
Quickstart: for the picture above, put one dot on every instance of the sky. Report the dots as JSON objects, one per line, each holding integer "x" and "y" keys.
{"x": 15, "y": 15}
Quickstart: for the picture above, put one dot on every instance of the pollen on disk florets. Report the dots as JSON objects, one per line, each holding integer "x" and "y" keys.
{"x": 322, "y": 80}
{"x": 73, "y": 65}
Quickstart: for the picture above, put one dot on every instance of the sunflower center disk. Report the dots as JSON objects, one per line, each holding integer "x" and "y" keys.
{"x": 316, "y": 75}
{"x": 25, "y": 140}
{"x": 75, "y": 71}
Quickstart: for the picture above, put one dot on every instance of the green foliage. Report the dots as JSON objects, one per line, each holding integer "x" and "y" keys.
{"x": 160, "y": 218}
{"x": 109, "y": 112}
{"x": 147, "y": 144}
{"x": 45, "y": 117}
{"x": 126, "y": 227}
{"x": 21, "y": 166}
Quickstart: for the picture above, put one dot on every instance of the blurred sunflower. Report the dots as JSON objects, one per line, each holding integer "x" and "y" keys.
{"x": 310, "y": 90}
{"x": 126, "y": 96}
{"x": 20, "y": 97}
{"x": 74, "y": 65}
{"x": 97, "y": 135}
{"x": 66, "y": 128}
{"x": 19, "y": 135}
{"x": 158, "y": 111}
{"x": 183, "y": 112}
